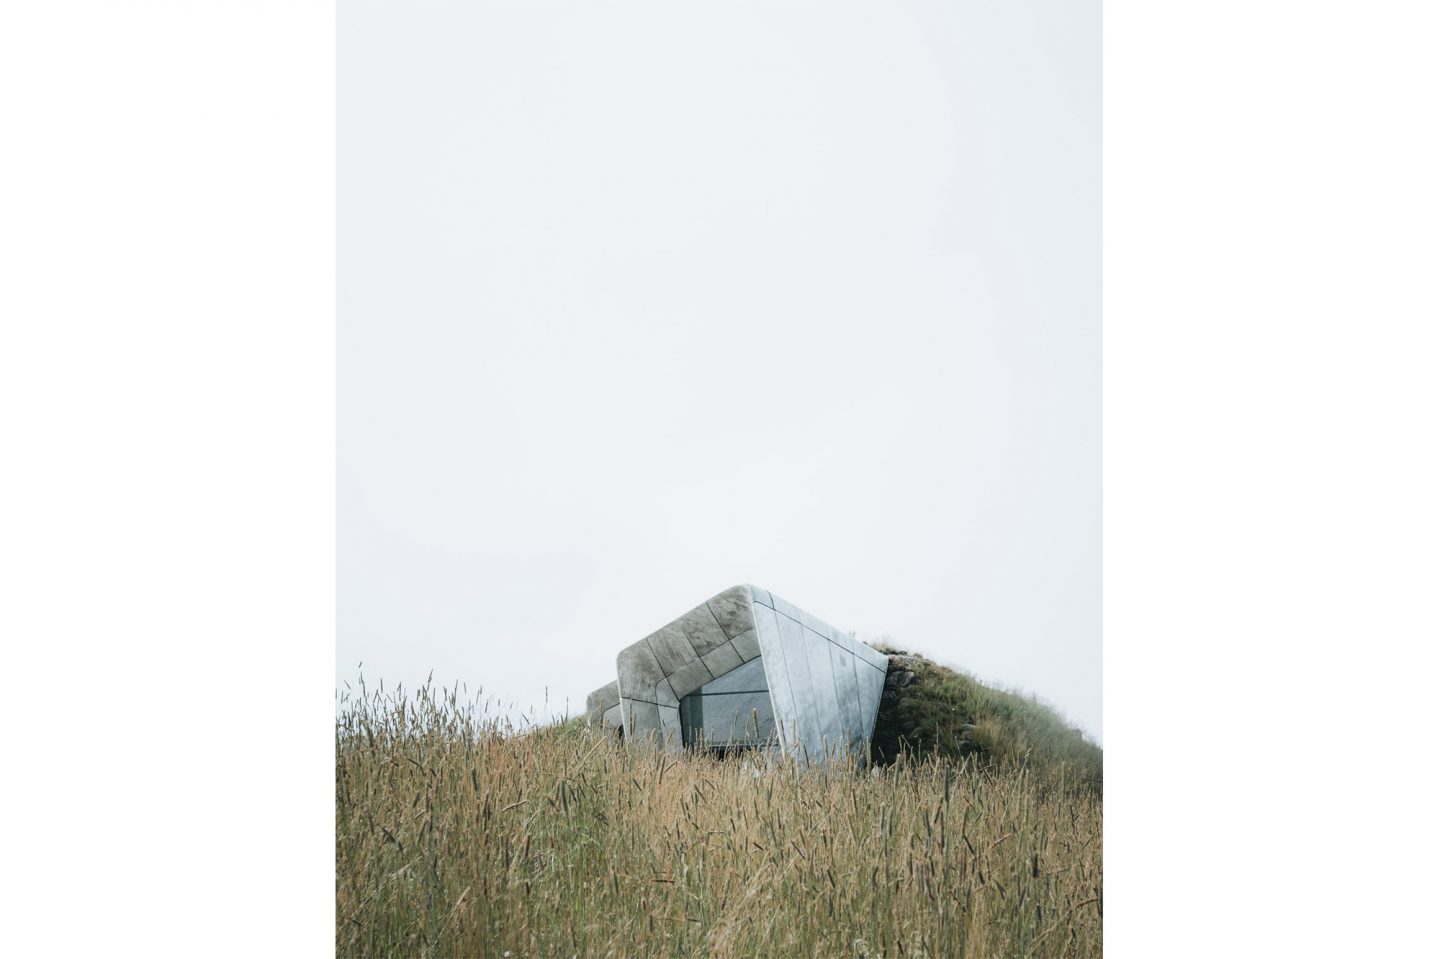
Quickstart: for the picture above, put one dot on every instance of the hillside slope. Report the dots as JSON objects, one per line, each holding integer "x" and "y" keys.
{"x": 929, "y": 709}
{"x": 458, "y": 835}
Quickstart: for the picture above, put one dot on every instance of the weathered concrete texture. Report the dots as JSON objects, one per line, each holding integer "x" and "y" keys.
{"x": 677, "y": 659}
{"x": 721, "y": 660}
{"x": 638, "y": 671}
{"x": 602, "y": 707}
{"x": 820, "y": 691}
{"x": 747, "y": 644}
{"x": 702, "y": 630}
{"x": 733, "y": 611}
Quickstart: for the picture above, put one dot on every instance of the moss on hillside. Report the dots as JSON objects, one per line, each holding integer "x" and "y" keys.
{"x": 927, "y": 708}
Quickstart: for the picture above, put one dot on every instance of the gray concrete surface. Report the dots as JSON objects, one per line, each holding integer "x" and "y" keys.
{"x": 746, "y": 668}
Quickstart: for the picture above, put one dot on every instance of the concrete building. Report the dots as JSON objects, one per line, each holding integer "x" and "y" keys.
{"x": 745, "y": 669}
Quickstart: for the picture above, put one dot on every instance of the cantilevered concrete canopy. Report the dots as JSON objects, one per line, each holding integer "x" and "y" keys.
{"x": 746, "y": 668}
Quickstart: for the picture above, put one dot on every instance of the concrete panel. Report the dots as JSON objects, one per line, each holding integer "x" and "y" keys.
{"x": 638, "y": 671}
{"x": 672, "y": 647}
{"x": 702, "y": 630}
{"x": 720, "y": 661}
{"x": 748, "y": 644}
{"x": 642, "y": 721}
{"x": 862, "y": 672}
{"x": 777, "y": 677}
{"x": 670, "y": 731}
{"x": 847, "y": 690}
{"x": 601, "y": 700}
{"x": 805, "y": 717}
{"x": 786, "y": 608}
{"x": 871, "y": 683}
{"x": 664, "y": 695}
{"x": 732, "y": 611}
{"x": 687, "y": 679}
{"x": 827, "y": 701}
{"x": 839, "y": 638}
{"x": 611, "y": 719}
{"x": 816, "y": 624}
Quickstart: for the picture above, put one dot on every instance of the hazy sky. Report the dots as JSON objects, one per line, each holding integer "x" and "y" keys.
{"x": 641, "y": 301}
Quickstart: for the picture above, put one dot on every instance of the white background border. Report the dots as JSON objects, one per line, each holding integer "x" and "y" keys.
{"x": 1271, "y": 481}
{"x": 167, "y": 392}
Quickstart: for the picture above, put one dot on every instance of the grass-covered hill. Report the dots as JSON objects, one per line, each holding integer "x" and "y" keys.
{"x": 457, "y": 834}
{"x": 929, "y": 709}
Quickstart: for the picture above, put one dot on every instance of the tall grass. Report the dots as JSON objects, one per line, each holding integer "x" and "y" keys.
{"x": 459, "y": 835}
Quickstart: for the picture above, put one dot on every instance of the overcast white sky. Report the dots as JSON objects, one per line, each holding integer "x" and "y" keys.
{"x": 638, "y": 302}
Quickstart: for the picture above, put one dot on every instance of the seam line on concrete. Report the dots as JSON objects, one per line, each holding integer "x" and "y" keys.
{"x": 848, "y": 733}
{"x": 828, "y": 639}
{"x": 716, "y": 620}
{"x": 829, "y": 648}
{"x": 793, "y": 734}
{"x": 829, "y": 662}
{"x": 651, "y": 646}
{"x": 859, "y": 700}
{"x": 718, "y": 624}
{"x": 813, "y": 719}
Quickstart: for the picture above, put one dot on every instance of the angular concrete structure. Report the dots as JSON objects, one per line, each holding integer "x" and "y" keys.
{"x": 746, "y": 669}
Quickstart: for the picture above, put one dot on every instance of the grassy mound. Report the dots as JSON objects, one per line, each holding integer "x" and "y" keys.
{"x": 457, "y": 834}
{"x": 930, "y": 710}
